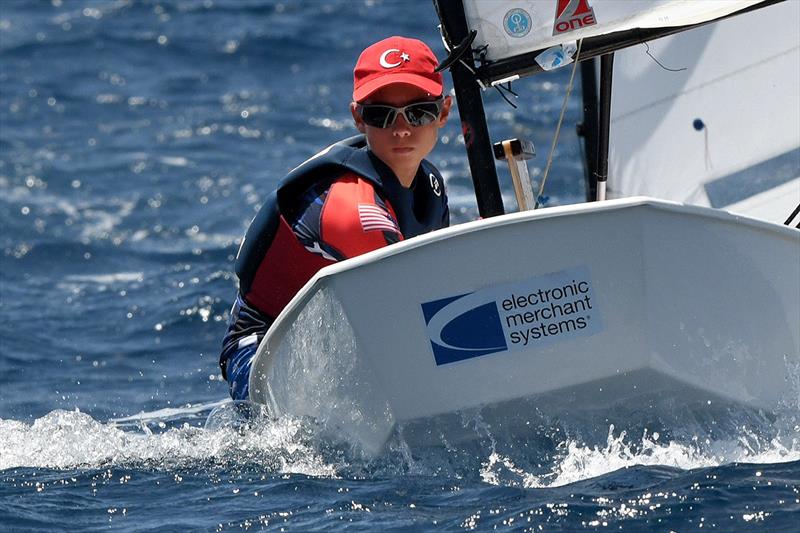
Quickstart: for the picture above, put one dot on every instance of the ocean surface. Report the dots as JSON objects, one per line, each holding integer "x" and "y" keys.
{"x": 137, "y": 140}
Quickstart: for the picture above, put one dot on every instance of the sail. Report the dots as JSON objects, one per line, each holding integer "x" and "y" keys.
{"x": 723, "y": 128}
{"x": 508, "y": 28}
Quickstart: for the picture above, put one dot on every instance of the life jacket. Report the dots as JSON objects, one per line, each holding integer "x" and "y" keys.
{"x": 272, "y": 265}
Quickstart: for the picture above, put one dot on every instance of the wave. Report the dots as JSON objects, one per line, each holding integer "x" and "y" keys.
{"x": 177, "y": 438}
{"x": 579, "y": 462}
{"x": 72, "y": 439}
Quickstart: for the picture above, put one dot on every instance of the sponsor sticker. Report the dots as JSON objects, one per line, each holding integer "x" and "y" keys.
{"x": 573, "y": 15}
{"x": 517, "y": 23}
{"x": 516, "y": 316}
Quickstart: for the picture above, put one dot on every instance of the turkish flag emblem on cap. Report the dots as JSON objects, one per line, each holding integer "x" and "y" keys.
{"x": 396, "y": 60}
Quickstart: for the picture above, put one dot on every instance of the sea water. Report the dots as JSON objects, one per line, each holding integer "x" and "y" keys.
{"x": 137, "y": 140}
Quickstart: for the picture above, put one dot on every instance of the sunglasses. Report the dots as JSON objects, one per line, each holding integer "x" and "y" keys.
{"x": 416, "y": 114}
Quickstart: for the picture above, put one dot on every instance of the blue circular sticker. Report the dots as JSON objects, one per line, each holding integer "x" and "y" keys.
{"x": 517, "y": 23}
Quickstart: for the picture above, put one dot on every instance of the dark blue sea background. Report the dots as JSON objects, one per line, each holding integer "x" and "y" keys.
{"x": 137, "y": 140}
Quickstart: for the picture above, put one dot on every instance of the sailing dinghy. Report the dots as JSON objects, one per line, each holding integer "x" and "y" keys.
{"x": 663, "y": 301}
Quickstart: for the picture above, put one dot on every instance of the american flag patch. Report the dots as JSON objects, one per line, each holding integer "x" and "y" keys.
{"x": 375, "y": 218}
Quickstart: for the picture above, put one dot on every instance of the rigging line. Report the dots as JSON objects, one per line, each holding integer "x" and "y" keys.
{"x": 558, "y": 126}
{"x": 509, "y": 102}
{"x": 509, "y": 89}
{"x": 500, "y": 88}
{"x": 791, "y": 217}
{"x": 659, "y": 62}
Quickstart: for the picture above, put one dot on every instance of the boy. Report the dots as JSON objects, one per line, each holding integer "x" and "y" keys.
{"x": 355, "y": 196}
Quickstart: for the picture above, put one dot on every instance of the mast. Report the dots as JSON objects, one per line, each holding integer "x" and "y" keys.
{"x": 588, "y": 128}
{"x": 470, "y": 110}
{"x": 606, "y": 78}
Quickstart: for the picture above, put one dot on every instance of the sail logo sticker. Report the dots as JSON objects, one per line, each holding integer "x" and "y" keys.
{"x": 517, "y": 23}
{"x": 573, "y": 15}
{"x": 517, "y": 316}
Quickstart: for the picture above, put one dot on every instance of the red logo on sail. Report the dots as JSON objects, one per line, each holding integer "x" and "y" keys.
{"x": 573, "y": 15}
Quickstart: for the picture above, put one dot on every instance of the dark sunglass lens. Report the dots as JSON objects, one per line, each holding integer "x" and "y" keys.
{"x": 377, "y": 116}
{"x": 422, "y": 113}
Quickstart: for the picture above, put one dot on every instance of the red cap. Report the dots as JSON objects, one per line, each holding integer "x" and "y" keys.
{"x": 396, "y": 60}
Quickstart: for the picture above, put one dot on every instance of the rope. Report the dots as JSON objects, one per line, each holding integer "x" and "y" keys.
{"x": 558, "y": 127}
{"x": 791, "y": 217}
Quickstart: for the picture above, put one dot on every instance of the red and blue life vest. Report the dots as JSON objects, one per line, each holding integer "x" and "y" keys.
{"x": 273, "y": 265}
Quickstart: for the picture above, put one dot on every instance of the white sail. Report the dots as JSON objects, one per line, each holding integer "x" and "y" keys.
{"x": 509, "y": 28}
{"x": 724, "y": 128}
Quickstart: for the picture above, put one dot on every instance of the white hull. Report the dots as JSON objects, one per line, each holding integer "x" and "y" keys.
{"x": 654, "y": 297}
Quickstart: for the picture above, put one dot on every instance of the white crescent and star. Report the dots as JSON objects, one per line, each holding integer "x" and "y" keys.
{"x": 384, "y": 58}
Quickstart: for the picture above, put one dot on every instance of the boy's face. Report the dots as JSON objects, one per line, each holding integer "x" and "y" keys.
{"x": 402, "y": 146}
